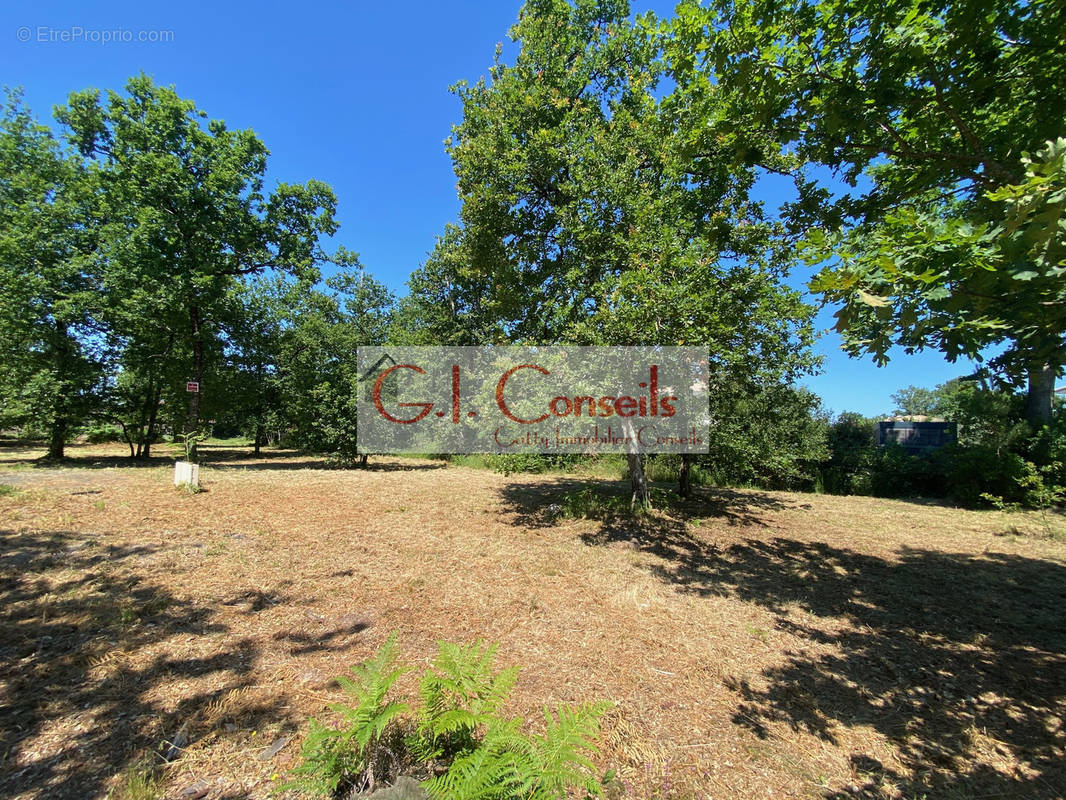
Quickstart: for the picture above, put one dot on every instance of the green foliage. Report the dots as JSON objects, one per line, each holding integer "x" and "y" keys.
{"x": 460, "y": 696}
{"x": 337, "y": 757}
{"x": 664, "y": 467}
{"x": 140, "y": 781}
{"x": 592, "y": 213}
{"x": 50, "y": 360}
{"x": 772, "y": 437}
{"x": 190, "y": 439}
{"x": 849, "y": 469}
{"x": 534, "y": 462}
{"x": 948, "y": 235}
{"x": 487, "y": 755}
{"x": 459, "y": 741}
{"x": 997, "y": 460}
{"x": 98, "y": 433}
{"x": 185, "y": 219}
{"x": 316, "y": 373}
{"x": 590, "y": 503}
{"x": 916, "y": 401}
{"x": 1037, "y": 489}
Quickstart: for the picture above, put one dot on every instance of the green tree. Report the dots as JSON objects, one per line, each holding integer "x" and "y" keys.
{"x": 589, "y": 217}
{"x": 50, "y": 329}
{"x": 772, "y": 436}
{"x": 446, "y": 303}
{"x": 948, "y": 236}
{"x": 916, "y": 401}
{"x": 186, "y": 216}
{"x": 317, "y": 368}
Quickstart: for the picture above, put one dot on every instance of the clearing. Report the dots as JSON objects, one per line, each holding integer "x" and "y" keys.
{"x": 755, "y": 644}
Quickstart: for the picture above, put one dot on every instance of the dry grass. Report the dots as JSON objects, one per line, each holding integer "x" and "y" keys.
{"x": 756, "y": 644}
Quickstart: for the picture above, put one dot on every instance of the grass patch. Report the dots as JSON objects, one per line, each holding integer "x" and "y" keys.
{"x": 138, "y": 782}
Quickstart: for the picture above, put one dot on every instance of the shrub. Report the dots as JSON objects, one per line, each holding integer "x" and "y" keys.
{"x": 894, "y": 472}
{"x": 850, "y": 467}
{"x": 340, "y": 758}
{"x": 102, "y": 433}
{"x": 591, "y": 504}
{"x": 509, "y": 463}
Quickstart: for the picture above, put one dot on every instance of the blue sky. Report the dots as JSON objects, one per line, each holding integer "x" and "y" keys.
{"x": 355, "y": 94}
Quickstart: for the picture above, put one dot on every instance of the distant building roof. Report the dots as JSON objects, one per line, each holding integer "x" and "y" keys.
{"x": 913, "y": 418}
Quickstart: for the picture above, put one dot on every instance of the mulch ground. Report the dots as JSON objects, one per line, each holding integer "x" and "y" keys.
{"x": 754, "y": 644}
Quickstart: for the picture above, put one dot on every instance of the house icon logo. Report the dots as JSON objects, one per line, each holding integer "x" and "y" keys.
{"x": 370, "y": 376}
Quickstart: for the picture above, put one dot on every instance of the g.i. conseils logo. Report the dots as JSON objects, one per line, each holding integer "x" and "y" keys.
{"x": 532, "y": 399}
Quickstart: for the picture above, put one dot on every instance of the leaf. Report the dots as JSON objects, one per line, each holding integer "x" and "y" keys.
{"x": 872, "y": 299}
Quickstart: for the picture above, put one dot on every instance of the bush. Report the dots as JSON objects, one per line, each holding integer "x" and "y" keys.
{"x": 102, "y": 433}
{"x": 508, "y": 463}
{"x": 852, "y": 453}
{"x": 458, "y": 742}
{"x": 894, "y": 472}
{"x": 997, "y": 460}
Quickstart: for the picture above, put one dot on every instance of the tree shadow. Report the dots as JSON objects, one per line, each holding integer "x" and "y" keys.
{"x": 335, "y": 639}
{"x": 539, "y": 504}
{"x": 958, "y": 659}
{"x": 79, "y": 623}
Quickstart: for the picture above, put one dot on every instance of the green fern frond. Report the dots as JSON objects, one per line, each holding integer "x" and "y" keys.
{"x": 460, "y": 696}
{"x": 483, "y": 755}
{"x": 326, "y": 761}
{"x": 485, "y": 773}
{"x": 561, "y": 754}
{"x": 372, "y": 681}
{"x": 330, "y": 756}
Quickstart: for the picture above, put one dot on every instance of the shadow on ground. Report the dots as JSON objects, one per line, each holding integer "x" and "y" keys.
{"x": 77, "y": 626}
{"x": 958, "y": 659}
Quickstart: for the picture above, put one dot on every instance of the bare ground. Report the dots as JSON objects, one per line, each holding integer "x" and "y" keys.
{"x": 755, "y": 644}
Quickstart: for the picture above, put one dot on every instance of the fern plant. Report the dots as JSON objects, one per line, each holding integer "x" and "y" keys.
{"x": 559, "y": 758}
{"x": 507, "y": 764}
{"x": 460, "y": 694}
{"x": 489, "y": 756}
{"x": 461, "y": 742}
{"x": 333, "y": 758}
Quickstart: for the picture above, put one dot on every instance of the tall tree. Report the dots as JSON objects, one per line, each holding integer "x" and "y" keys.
{"x": 593, "y": 219}
{"x": 50, "y": 332}
{"x": 447, "y": 304}
{"x": 187, "y": 216}
{"x": 949, "y": 237}
{"x": 317, "y": 369}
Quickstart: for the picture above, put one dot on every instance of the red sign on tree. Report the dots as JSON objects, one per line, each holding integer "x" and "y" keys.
{"x": 192, "y": 386}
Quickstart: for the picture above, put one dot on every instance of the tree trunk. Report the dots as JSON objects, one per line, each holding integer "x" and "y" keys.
{"x": 153, "y": 418}
{"x": 60, "y": 421}
{"x": 142, "y": 424}
{"x": 58, "y": 439}
{"x": 192, "y": 422}
{"x": 1039, "y": 395}
{"x": 260, "y": 435}
{"x": 684, "y": 477}
{"x": 362, "y": 459}
{"x": 640, "y": 497}
{"x": 126, "y": 436}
